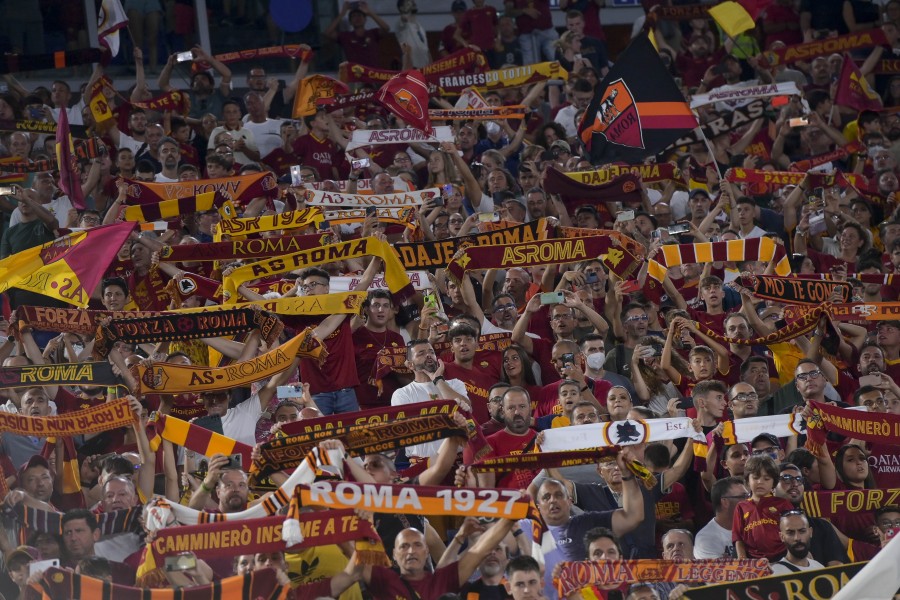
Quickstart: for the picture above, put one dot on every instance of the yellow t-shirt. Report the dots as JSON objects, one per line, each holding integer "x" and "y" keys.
{"x": 317, "y": 563}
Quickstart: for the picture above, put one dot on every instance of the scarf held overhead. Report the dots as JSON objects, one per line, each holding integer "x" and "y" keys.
{"x": 71, "y": 374}
{"x": 878, "y": 428}
{"x": 103, "y": 417}
{"x": 295, "y": 219}
{"x": 801, "y": 326}
{"x": 364, "y": 418}
{"x": 242, "y": 249}
{"x": 761, "y": 249}
{"x": 171, "y": 209}
{"x": 335, "y": 200}
{"x": 624, "y": 188}
{"x": 813, "y": 583}
{"x": 793, "y": 290}
{"x": 195, "y": 438}
{"x": 237, "y": 189}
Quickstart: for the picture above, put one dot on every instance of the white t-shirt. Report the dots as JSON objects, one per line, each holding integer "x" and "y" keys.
{"x": 239, "y": 423}
{"x": 58, "y": 207}
{"x": 266, "y": 134}
{"x": 566, "y": 118}
{"x": 423, "y": 392}
{"x": 756, "y": 232}
{"x": 413, "y": 35}
{"x": 779, "y": 568}
{"x": 126, "y": 141}
{"x": 242, "y": 133}
{"x": 160, "y": 178}
{"x": 74, "y": 114}
{"x": 713, "y": 541}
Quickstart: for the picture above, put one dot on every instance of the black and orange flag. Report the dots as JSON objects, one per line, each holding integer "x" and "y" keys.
{"x": 406, "y": 95}
{"x": 637, "y": 110}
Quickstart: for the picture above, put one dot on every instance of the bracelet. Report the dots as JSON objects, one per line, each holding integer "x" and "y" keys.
{"x": 438, "y": 378}
{"x": 628, "y": 478}
{"x": 518, "y": 533}
{"x": 584, "y": 388}
{"x": 205, "y": 489}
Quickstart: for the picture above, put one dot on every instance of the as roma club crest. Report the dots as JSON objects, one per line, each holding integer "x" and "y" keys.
{"x": 617, "y": 117}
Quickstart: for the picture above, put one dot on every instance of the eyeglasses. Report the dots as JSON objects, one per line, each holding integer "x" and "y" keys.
{"x": 788, "y": 479}
{"x": 501, "y": 308}
{"x": 889, "y": 523}
{"x": 637, "y": 318}
{"x": 743, "y": 496}
{"x": 809, "y": 375}
{"x": 562, "y": 316}
{"x": 748, "y": 397}
{"x": 875, "y": 402}
{"x": 496, "y": 399}
{"x": 312, "y": 284}
{"x": 456, "y": 221}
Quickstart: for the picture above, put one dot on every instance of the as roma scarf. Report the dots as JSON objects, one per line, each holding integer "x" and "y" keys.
{"x": 164, "y": 378}
{"x": 840, "y": 153}
{"x": 170, "y": 209}
{"x": 348, "y": 100}
{"x": 315, "y": 91}
{"x": 438, "y": 254}
{"x": 860, "y": 311}
{"x": 793, "y": 290}
{"x": 617, "y": 433}
{"x": 490, "y": 113}
{"x": 787, "y": 88}
{"x": 624, "y": 188}
{"x": 511, "y": 77}
{"x": 812, "y": 583}
{"x": 546, "y": 252}
{"x": 654, "y": 173}
{"x": 414, "y": 500}
{"x": 29, "y": 126}
{"x": 391, "y": 359}
{"x": 237, "y": 189}
{"x": 336, "y": 200}
{"x": 810, "y": 50}
{"x": 103, "y": 417}
{"x": 878, "y": 428}
{"x": 405, "y": 216}
{"x": 625, "y": 242}
{"x": 191, "y": 284}
{"x": 780, "y": 178}
{"x": 360, "y": 138}
{"x": 740, "y": 116}
{"x": 64, "y": 583}
{"x": 109, "y": 523}
{"x": 573, "y": 576}
{"x": 685, "y": 12}
{"x": 801, "y": 326}
{"x": 72, "y": 374}
{"x": 242, "y": 249}
{"x": 365, "y": 418}
{"x": 282, "y": 51}
{"x": 465, "y": 59}
{"x": 302, "y": 530}
{"x": 286, "y": 452}
{"x": 193, "y": 437}
{"x": 395, "y": 274}
{"x": 840, "y": 503}
{"x": 295, "y": 219}
{"x": 174, "y": 101}
{"x": 406, "y": 96}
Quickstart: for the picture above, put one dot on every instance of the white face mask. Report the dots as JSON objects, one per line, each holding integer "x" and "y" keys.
{"x": 595, "y": 360}
{"x": 492, "y": 128}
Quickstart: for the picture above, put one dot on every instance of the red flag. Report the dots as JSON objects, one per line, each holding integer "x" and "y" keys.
{"x": 854, "y": 91}
{"x": 69, "y": 182}
{"x": 755, "y": 7}
{"x": 406, "y": 95}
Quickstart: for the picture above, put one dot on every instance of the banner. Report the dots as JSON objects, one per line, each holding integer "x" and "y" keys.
{"x": 164, "y": 378}
{"x": 51, "y": 375}
{"x": 415, "y": 500}
{"x": 236, "y": 189}
{"x": 333, "y": 199}
{"x": 510, "y": 77}
{"x": 814, "y": 583}
{"x": 639, "y": 112}
{"x": 295, "y": 219}
{"x": 731, "y": 121}
{"x": 853, "y": 89}
{"x": 103, "y": 417}
{"x": 652, "y": 173}
{"x": 315, "y": 91}
{"x": 624, "y": 188}
{"x": 266, "y": 247}
{"x": 732, "y": 96}
{"x": 68, "y": 268}
{"x": 824, "y": 47}
{"x": 408, "y": 135}
{"x": 573, "y": 576}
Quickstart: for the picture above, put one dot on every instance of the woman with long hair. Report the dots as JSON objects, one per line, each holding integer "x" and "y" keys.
{"x": 518, "y": 370}
{"x": 440, "y": 170}
{"x": 652, "y": 384}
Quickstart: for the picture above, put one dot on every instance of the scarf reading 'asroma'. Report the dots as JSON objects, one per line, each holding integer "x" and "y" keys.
{"x": 87, "y": 373}
{"x": 163, "y": 378}
{"x": 95, "y": 419}
{"x": 547, "y": 252}
{"x": 574, "y": 576}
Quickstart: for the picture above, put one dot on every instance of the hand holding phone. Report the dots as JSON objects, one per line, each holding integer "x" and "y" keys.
{"x": 552, "y": 298}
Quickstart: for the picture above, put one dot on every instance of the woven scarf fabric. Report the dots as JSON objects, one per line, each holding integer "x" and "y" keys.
{"x": 618, "y": 433}
{"x": 573, "y": 576}
{"x": 811, "y": 583}
{"x": 295, "y": 219}
{"x": 333, "y": 200}
{"x": 624, "y": 188}
{"x": 814, "y": 179}
{"x": 840, "y": 503}
{"x": 243, "y": 249}
{"x": 761, "y": 249}
{"x": 840, "y": 153}
{"x": 365, "y": 418}
{"x": 54, "y": 374}
{"x": 164, "y": 378}
{"x": 502, "y": 79}
{"x": 333, "y": 526}
{"x": 395, "y": 274}
{"x": 794, "y": 290}
{"x": 409, "y": 135}
{"x": 95, "y": 419}
{"x": 174, "y": 101}
{"x": 465, "y": 59}
{"x": 810, "y": 50}
{"x": 489, "y": 113}
{"x": 653, "y": 173}
{"x": 280, "y": 51}
{"x": 110, "y": 523}
{"x": 236, "y": 189}
{"x": 877, "y": 428}
{"x": 170, "y": 209}
{"x": 801, "y": 326}
{"x": 30, "y": 126}
{"x": 193, "y": 437}
{"x": 405, "y": 216}
{"x": 787, "y": 88}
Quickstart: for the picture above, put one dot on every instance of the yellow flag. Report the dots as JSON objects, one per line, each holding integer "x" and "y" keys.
{"x": 732, "y": 18}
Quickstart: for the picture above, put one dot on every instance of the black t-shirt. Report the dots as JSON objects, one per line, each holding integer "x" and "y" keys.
{"x": 825, "y": 546}
{"x": 478, "y": 590}
{"x": 826, "y": 14}
{"x": 640, "y": 543}
{"x": 570, "y": 538}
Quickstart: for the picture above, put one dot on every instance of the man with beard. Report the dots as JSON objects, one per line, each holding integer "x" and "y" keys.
{"x": 517, "y": 437}
{"x": 230, "y": 483}
{"x": 824, "y": 545}
{"x": 795, "y": 532}
{"x": 204, "y": 96}
{"x": 570, "y": 363}
{"x": 136, "y": 142}
{"x": 369, "y": 339}
{"x": 634, "y": 321}
{"x": 80, "y": 534}
{"x": 169, "y": 157}
{"x": 714, "y": 540}
{"x": 429, "y": 383}
{"x": 490, "y": 585}
{"x": 495, "y": 407}
{"x": 476, "y": 376}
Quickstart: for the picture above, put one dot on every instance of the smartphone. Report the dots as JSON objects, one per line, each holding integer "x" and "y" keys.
{"x": 678, "y": 228}
{"x": 817, "y": 223}
{"x": 720, "y": 68}
{"x": 289, "y": 391}
{"x": 631, "y": 286}
{"x": 568, "y": 358}
{"x": 296, "y": 176}
{"x": 447, "y": 189}
{"x": 36, "y": 113}
{"x": 371, "y": 211}
{"x": 429, "y": 299}
{"x": 869, "y": 380}
{"x": 360, "y": 163}
{"x": 235, "y": 460}
{"x": 656, "y": 234}
{"x": 488, "y": 217}
{"x": 436, "y": 201}
{"x": 7, "y": 191}
{"x": 39, "y": 566}
{"x": 441, "y": 329}
{"x": 324, "y": 225}
{"x": 184, "y": 56}
{"x": 552, "y": 297}
{"x": 625, "y": 215}
{"x": 818, "y": 193}
{"x": 686, "y": 402}
{"x": 798, "y": 122}
{"x": 546, "y": 155}
{"x": 184, "y": 561}
{"x": 591, "y": 278}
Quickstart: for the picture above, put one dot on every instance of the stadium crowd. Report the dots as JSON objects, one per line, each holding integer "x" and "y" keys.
{"x": 522, "y": 353}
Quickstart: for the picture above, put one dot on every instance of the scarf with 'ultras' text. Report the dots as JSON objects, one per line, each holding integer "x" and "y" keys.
{"x": 163, "y": 378}
{"x": 573, "y": 576}
{"x": 295, "y": 219}
{"x": 103, "y": 417}
{"x": 195, "y": 438}
{"x": 236, "y": 189}
{"x": 242, "y": 249}
{"x": 546, "y": 252}
{"x": 395, "y": 274}
{"x": 54, "y": 374}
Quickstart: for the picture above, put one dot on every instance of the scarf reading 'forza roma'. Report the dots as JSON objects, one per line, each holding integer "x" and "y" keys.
{"x": 236, "y": 189}
{"x": 163, "y": 378}
{"x": 814, "y": 583}
{"x": 829, "y": 504}
{"x": 87, "y": 373}
{"x": 395, "y": 274}
{"x": 95, "y": 419}
{"x": 63, "y": 583}
{"x": 576, "y": 575}
{"x": 295, "y": 219}
{"x": 546, "y": 252}
{"x": 240, "y": 249}
{"x": 794, "y": 290}
{"x": 193, "y": 437}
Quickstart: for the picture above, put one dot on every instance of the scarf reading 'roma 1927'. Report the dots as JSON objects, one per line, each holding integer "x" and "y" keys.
{"x": 54, "y": 374}
{"x": 295, "y": 219}
{"x": 236, "y": 189}
{"x": 164, "y": 378}
{"x": 545, "y": 252}
{"x": 63, "y": 583}
{"x": 95, "y": 419}
{"x": 573, "y": 576}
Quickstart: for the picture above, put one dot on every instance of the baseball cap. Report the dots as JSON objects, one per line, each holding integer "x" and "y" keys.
{"x": 35, "y": 461}
{"x": 458, "y": 6}
{"x": 562, "y": 145}
{"x": 23, "y": 553}
{"x": 768, "y": 437}
{"x": 696, "y": 191}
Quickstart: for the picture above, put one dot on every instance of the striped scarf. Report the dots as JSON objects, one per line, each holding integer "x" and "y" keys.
{"x": 112, "y": 523}
{"x": 193, "y": 437}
